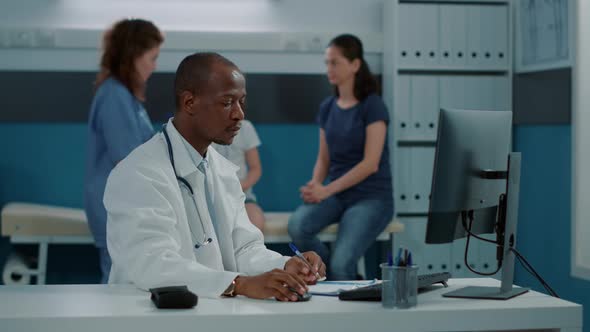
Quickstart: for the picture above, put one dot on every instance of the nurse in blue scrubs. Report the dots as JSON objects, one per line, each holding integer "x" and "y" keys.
{"x": 118, "y": 122}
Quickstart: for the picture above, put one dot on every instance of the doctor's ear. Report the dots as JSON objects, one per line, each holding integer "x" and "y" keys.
{"x": 187, "y": 101}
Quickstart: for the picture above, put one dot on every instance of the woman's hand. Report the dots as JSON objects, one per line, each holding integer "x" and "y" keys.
{"x": 314, "y": 192}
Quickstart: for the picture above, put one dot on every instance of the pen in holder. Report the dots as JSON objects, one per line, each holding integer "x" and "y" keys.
{"x": 400, "y": 286}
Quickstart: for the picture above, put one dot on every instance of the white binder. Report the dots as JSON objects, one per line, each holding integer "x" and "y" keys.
{"x": 403, "y": 179}
{"x": 453, "y": 35}
{"x": 418, "y": 35}
{"x": 414, "y": 175}
{"x": 486, "y": 87}
{"x": 419, "y": 104}
{"x": 452, "y": 92}
{"x": 428, "y": 21}
{"x": 423, "y": 165}
{"x": 425, "y": 105}
{"x": 402, "y": 106}
{"x": 437, "y": 258}
{"x": 475, "y": 37}
{"x": 502, "y": 93}
{"x": 477, "y": 92}
{"x": 489, "y": 34}
{"x": 501, "y": 25}
{"x": 486, "y": 93}
{"x": 407, "y": 41}
{"x": 415, "y": 194}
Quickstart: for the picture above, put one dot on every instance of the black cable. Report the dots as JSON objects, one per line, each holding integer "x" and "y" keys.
{"x": 543, "y": 283}
{"x": 523, "y": 262}
{"x": 532, "y": 271}
{"x": 469, "y": 234}
{"x": 527, "y": 269}
{"x": 483, "y": 239}
{"x": 464, "y": 222}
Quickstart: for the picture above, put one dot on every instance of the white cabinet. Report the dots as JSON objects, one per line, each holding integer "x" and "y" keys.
{"x": 446, "y": 54}
{"x": 453, "y": 36}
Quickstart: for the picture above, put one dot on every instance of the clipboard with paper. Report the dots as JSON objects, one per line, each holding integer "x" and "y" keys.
{"x": 333, "y": 288}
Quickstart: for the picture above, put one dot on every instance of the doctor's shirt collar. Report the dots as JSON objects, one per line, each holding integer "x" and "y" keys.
{"x": 186, "y": 156}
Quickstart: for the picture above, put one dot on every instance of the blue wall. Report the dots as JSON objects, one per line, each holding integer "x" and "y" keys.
{"x": 544, "y": 229}
{"x": 288, "y": 154}
{"x": 42, "y": 163}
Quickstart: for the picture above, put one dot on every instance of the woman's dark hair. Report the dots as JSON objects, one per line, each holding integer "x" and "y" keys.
{"x": 352, "y": 48}
{"x": 127, "y": 40}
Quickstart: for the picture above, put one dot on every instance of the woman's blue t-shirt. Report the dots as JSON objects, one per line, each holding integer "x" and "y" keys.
{"x": 345, "y": 131}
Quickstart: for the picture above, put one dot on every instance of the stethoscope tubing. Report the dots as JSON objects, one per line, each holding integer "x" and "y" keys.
{"x": 189, "y": 187}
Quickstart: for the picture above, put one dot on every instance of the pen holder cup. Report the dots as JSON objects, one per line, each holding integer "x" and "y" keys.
{"x": 400, "y": 286}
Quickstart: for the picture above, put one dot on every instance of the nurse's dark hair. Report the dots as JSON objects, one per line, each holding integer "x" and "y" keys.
{"x": 351, "y": 48}
{"x": 123, "y": 43}
{"x": 194, "y": 72}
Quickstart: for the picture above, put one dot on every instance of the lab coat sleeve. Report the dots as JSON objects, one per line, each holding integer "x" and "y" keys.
{"x": 251, "y": 254}
{"x": 142, "y": 237}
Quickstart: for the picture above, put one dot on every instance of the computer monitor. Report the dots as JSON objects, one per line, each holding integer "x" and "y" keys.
{"x": 475, "y": 187}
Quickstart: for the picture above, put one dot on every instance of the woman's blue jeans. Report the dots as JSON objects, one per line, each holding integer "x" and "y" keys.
{"x": 359, "y": 224}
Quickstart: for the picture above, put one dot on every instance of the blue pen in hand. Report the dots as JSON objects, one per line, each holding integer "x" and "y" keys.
{"x": 300, "y": 255}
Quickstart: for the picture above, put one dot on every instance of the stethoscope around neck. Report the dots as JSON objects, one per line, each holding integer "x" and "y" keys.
{"x": 206, "y": 239}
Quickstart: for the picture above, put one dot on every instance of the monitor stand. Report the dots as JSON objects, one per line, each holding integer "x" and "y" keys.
{"x": 506, "y": 290}
{"x": 486, "y": 293}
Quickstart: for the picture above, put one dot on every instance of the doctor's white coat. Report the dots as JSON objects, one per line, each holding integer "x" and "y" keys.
{"x": 148, "y": 234}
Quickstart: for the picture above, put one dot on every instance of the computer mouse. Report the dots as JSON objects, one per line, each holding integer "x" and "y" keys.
{"x": 301, "y": 298}
{"x": 305, "y": 297}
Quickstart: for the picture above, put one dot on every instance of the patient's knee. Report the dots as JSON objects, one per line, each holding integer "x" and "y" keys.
{"x": 294, "y": 228}
{"x": 342, "y": 268}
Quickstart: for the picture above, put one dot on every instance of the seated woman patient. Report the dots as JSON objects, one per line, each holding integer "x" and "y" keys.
{"x": 354, "y": 159}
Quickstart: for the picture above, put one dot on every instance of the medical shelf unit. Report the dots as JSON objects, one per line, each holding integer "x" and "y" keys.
{"x": 440, "y": 54}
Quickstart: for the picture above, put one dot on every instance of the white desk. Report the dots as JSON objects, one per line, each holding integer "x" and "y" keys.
{"x": 123, "y": 308}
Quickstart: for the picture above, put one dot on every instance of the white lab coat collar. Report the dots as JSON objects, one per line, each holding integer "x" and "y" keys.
{"x": 184, "y": 162}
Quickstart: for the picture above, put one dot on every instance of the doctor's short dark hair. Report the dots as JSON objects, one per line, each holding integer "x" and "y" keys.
{"x": 194, "y": 72}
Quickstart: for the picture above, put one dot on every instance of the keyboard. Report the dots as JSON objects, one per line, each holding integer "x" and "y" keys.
{"x": 373, "y": 292}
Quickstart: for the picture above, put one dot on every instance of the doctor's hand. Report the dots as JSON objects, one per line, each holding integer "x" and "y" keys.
{"x": 297, "y": 266}
{"x": 275, "y": 283}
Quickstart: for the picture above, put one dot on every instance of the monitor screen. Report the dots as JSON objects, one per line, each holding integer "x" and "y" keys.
{"x": 468, "y": 143}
